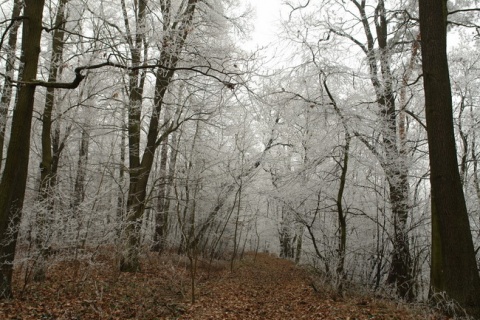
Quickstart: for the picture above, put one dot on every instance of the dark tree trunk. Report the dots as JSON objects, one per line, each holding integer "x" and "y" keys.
{"x": 51, "y": 148}
{"x": 134, "y": 208}
{"x": 49, "y": 164}
{"x": 141, "y": 166}
{"x": 14, "y": 179}
{"x": 341, "y": 215}
{"x": 454, "y": 269}
{"x": 79, "y": 187}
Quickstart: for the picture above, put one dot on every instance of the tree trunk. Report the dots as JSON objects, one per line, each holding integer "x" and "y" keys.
{"x": 161, "y": 216}
{"x": 140, "y": 169}
{"x": 79, "y": 187}
{"x": 134, "y": 209}
{"x": 342, "y": 221}
{"x": 393, "y": 165}
{"x": 400, "y": 272}
{"x": 121, "y": 179}
{"x": 14, "y": 179}
{"x": 299, "y": 244}
{"x": 9, "y": 72}
{"x": 341, "y": 214}
{"x": 163, "y": 205}
{"x": 454, "y": 270}
{"x": 49, "y": 162}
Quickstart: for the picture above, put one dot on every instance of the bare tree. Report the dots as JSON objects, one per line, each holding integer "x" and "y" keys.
{"x": 367, "y": 27}
{"x": 12, "y": 185}
{"x": 51, "y": 147}
{"x": 9, "y": 71}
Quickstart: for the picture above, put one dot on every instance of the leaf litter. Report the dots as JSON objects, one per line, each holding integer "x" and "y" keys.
{"x": 260, "y": 286}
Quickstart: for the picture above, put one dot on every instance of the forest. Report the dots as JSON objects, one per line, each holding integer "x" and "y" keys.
{"x": 347, "y": 143}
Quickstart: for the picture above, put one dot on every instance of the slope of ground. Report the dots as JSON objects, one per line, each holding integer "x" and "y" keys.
{"x": 260, "y": 287}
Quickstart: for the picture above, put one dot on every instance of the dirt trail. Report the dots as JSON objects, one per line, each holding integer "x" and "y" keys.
{"x": 273, "y": 288}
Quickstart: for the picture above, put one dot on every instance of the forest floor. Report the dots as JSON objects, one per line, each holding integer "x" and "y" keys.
{"x": 260, "y": 287}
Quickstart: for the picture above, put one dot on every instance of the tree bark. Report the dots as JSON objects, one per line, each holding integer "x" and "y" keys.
{"x": 14, "y": 179}
{"x": 9, "y": 72}
{"x": 50, "y": 158}
{"x": 49, "y": 164}
{"x": 79, "y": 187}
{"x": 454, "y": 273}
{"x": 161, "y": 216}
{"x": 134, "y": 209}
{"x": 341, "y": 215}
{"x": 121, "y": 178}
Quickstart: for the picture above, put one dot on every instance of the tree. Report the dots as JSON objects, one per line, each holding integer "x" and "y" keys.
{"x": 51, "y": 146}
{"x": 162, "y": 216}
{"x": 13, "y": 183}
{"x": 379, "y": 34}
{"x": 14, "y": 179}
{"x": 9, "y": 72}
{"x": 394, "y": 166}
{"x": 176, "y": 29}
{"x": 454, "y": 270}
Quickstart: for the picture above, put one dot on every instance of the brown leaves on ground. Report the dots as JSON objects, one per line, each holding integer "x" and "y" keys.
{"x": 273, "y": 288}
{"x": 260, "y": 287}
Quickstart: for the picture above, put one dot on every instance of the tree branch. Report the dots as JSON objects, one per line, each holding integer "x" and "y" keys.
{"x": 345, "y": 35}
{"x": 79, "y": 76}
{"x": 465, "y": 10}
{"x": 296, "y": 8}
{"x": 12, "y": 22}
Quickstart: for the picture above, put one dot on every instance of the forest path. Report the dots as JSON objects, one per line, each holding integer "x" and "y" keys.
{"x": 261, "y": 287}
{"x": 272, "y": 288}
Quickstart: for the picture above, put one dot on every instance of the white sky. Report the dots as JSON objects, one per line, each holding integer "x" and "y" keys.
{"x": 267, "y": 16}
